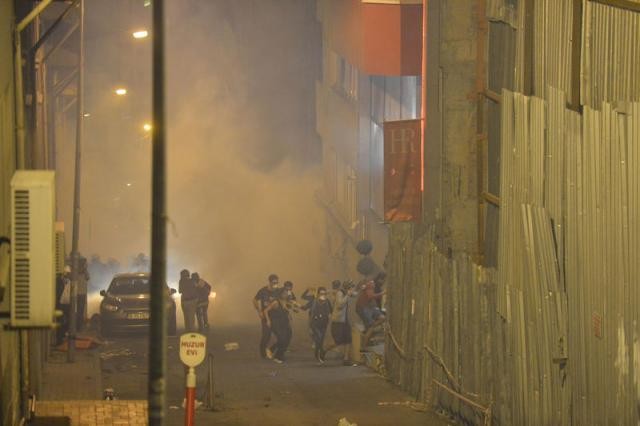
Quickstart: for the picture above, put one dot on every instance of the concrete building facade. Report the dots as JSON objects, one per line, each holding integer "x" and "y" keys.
{"x": 370, "y": 74}
{"x": 47, "y": 82}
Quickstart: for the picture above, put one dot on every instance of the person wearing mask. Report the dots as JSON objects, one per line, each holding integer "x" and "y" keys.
{"x": 340, "y": 329}
{"x": 308, "y": 295}
{"x": 188, "y": 300}
{"x": 320, "y": 315}
{"x": 336, "y": 285}
{"x": 368, "y": 309}
{"x": 63, "y": 302}
{"x": 355, "y": 323}
{"x": 202, "y": 309}
{"x": 291, "y": 306}
{"x": 81, "y": 291}
{"x": 261, "y": 300}
{"x": 292, "y": 302}
{"x": 279, "y": 322}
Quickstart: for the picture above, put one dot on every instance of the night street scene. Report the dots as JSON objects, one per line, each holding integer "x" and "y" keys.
{"x": 320, "y": 212}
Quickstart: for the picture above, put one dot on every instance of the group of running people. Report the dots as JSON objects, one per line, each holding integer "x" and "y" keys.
{"x": 352, "y": 312}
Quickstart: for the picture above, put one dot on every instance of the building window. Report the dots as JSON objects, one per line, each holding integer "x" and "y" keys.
{"x": 500, "y": 75}
{"x": 376, "y": 170}
{"x": 502, "y": 51}
{"x": 346, "y": 193}
{"x": 331, "y": 172}
{"x": 343, "y": 76}
{"x": 493, "y": 148}
{"x": 377, "y": 99}
{"x": 352, "y": 197}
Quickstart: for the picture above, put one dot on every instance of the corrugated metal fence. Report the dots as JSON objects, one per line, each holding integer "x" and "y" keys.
{"x": 540, "y": 342}
{"x": 611, "y": 59}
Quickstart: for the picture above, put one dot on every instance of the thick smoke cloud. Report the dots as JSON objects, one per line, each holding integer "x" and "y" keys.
{"x": 243, "y": 155}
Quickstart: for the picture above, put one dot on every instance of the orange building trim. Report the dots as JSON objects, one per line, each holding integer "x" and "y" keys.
{"x": 380, "y": 39}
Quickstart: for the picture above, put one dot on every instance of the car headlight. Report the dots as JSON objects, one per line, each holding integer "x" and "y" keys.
{"x": 109, "y": 307}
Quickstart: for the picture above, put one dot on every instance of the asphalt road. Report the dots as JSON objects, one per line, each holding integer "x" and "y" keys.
{"x": 252, "y": 391}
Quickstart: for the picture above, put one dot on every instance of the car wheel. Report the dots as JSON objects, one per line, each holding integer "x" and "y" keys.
{"x": 173, "y": 327}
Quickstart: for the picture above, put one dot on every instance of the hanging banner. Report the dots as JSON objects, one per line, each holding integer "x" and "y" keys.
{"x": 402, "y": 171}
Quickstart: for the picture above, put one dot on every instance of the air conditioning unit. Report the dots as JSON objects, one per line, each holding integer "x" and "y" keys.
{"x": 33, "y": 248}
{"x": 60, "y": 248}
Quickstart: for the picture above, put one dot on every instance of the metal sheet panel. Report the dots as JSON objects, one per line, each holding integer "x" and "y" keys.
{"x": 611, "y": 55}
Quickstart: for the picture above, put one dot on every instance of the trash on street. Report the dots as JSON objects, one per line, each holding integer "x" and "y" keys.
{"x": 231, "y": 346}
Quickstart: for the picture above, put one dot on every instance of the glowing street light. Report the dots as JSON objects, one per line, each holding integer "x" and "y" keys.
{"x": 121, "y": 91}
{"x": 141, "y": 34}
{"x": 146, "y": 127}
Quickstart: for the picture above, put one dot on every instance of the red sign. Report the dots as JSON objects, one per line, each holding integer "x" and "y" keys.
{"x": 402, "y": 171}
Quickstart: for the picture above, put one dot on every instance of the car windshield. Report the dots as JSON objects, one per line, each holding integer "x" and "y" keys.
{"x": 129, "y": 285}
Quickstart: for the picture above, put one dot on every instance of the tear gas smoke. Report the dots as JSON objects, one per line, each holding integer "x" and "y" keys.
{"x": 243, "y": 154}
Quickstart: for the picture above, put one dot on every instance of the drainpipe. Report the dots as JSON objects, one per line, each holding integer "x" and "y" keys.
{"x": 158, "y": 330}
{"x": 20, "y": 140}
{"x": 423, "y": 95}
{"x": 17, "y": 61}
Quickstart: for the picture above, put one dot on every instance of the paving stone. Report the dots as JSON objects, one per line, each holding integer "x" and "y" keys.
{"x": 97, "y": 413}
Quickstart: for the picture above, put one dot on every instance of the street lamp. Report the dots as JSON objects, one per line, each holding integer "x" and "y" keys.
{"x": 121, "y": 91}
{"x": 146, "y": 127}
{"x": 140, "y": 34}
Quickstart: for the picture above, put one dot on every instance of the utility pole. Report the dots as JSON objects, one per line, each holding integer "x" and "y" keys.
{"x": 71, "y": 341}
{"x": 158, "y": 329}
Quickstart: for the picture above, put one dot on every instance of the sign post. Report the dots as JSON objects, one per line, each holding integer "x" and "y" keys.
{"x": 193, "y": 347}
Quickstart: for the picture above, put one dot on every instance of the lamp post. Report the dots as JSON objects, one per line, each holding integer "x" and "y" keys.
{"x": 158, "y": 329}
{"x": 71, "y": 342}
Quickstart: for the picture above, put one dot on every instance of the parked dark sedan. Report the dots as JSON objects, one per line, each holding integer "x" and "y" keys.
{"x": 125, "y": 304}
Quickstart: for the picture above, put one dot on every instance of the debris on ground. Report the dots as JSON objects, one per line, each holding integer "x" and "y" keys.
{"x": 231, "y": 346}
{"x": 116, "y": 353}
{"x": 196, "y": 404}
{"x": 344, "y": 422}
{"x": 417, "y": 406}
{"x": 81, "y": 343}
{"x": 174, "y": 407}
